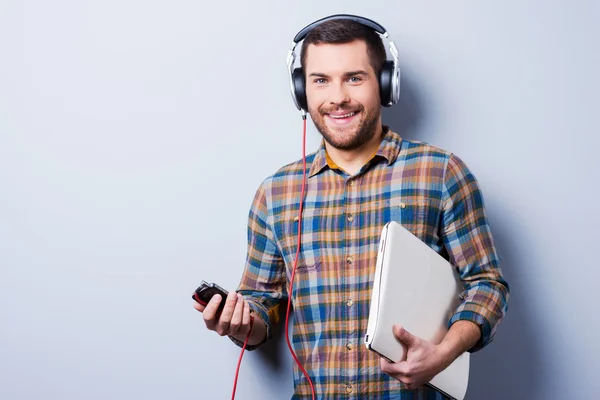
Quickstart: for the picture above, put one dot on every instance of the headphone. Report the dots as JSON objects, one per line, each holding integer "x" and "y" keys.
{"x": 389, "y": 77}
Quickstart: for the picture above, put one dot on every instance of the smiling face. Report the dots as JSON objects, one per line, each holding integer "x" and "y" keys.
{"x": 342, "y": 91}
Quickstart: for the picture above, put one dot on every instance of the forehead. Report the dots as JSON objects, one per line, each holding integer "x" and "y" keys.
{"x": 334, "y": 59}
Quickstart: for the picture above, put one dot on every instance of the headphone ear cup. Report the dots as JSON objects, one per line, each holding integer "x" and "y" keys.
{"x": 300, "y": 88}
{"x": 385, "y": 83}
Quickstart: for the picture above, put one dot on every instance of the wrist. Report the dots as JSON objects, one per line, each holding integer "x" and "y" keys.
{"x": 446, "y": 353}
{"x": 460, "y": 338}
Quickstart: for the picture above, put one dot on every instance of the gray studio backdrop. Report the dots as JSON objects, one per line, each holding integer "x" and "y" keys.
{"x": 133, "y": 135}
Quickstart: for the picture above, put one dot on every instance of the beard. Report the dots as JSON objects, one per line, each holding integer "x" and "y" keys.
{"x": 350, "y": 138}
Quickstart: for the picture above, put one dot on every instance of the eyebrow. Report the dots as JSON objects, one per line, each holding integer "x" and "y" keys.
{"x": 346, "y": 75}
{"x": 357, "y": 72}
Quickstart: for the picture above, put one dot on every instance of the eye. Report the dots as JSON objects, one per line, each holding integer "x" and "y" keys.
{"x": 355, "y": 79}
{"x": 320, "y": 81}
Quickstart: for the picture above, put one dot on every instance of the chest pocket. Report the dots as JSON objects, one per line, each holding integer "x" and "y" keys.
{"x": 419, "y": 215}
{"x": 286, "y": 232}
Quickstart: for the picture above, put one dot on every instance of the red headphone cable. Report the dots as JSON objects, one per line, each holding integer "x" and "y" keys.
{"x": 287, "y": 313}
{"x": 237, "y": 370}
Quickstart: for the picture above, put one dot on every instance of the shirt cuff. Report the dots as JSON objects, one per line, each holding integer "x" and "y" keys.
{"x": 260, "y": 313}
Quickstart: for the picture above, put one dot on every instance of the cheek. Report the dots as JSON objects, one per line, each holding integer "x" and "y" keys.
{"x": 315, "y": 98}
{"x": 369, "y": 101}
{"x": 314, "y": 112}
{"x": 367, "y": 95}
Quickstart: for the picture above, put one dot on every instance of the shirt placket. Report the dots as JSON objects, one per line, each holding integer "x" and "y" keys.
{"x": 349, "y": 338}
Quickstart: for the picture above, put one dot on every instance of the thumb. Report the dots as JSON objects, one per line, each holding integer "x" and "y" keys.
{"x": 403, "y": 335}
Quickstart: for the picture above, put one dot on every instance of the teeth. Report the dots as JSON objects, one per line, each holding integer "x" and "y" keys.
{"x": 342, "y": 116}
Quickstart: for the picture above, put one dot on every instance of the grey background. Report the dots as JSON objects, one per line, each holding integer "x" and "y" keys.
{"x": 133, "y": 135}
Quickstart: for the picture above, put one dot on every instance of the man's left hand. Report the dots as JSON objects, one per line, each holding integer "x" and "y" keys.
{"x": 424, "y": 360}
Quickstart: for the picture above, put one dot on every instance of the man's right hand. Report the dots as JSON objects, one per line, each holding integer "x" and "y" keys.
{"x": 234, "y": 319}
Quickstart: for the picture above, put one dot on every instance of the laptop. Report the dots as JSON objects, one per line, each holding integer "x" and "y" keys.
{"x": 418, "y": 288}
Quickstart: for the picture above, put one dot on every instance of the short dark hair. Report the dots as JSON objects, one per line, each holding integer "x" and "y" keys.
{"x": 341, "y": 31}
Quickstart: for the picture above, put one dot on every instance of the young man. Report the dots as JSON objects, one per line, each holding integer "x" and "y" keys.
{"x": 363, "y": 176}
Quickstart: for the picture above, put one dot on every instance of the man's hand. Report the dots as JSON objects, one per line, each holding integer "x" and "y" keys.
{"x": 424, "y": 360}
{"x": 234, "y": 320}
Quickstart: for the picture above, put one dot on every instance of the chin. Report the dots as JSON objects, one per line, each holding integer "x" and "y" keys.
{"x": 345, "y": 141}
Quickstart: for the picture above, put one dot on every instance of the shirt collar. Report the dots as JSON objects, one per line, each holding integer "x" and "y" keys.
{"x": 388, "y": 149}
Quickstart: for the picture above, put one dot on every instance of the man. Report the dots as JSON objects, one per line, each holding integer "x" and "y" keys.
{"x": 363, "y": 176}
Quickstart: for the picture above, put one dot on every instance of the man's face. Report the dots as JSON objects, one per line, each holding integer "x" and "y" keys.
{"x": 342, "y": 91}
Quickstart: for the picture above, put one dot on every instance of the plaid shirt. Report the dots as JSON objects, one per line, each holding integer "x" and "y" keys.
{"x": 429, "y": 191}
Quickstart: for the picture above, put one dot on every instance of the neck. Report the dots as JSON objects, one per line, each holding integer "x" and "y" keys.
{"x": 352, "y": 161}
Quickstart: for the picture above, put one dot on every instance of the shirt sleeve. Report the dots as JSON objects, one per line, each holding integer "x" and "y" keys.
{"x": 467, "y": 237}
{"x": 263, "y": 279}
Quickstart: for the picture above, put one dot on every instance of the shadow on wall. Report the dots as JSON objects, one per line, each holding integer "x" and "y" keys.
{"x": 511, "y": 366}
{"x": 406, "y": 117}
{"x": 274, "y": 355}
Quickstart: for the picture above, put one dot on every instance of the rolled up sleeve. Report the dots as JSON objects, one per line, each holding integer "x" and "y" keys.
{"x": 467, "y": 237}
{"x": 263, "y": 279}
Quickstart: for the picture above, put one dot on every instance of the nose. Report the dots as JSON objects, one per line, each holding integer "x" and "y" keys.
{"x": 338, "y": 94}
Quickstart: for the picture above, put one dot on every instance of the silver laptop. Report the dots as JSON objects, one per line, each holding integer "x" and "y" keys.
{"x": 418, "y": 288}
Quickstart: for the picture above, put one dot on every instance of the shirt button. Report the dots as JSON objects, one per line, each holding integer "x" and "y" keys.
{"x": 403, "y": 205}
{"x": 348, "y": 388}
{"x": 349, "y": 346}
{"x": 350, "y": 259}
{"x": 350, "y": 217}
{"x": 351, "y": 183}
{"x": 349, "y": 303}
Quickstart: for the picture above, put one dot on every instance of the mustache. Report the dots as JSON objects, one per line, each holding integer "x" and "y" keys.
{"x": 340, "y": 108}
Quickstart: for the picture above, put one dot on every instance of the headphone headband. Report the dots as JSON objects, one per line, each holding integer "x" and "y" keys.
{"x": 361, "y": 20}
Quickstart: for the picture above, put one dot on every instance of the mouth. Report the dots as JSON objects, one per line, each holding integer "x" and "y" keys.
{"x": 342, "y": 119}
{"x": 348, "y": 115}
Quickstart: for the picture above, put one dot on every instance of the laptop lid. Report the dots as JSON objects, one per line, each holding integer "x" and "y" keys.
{"x": 417, "y": 287}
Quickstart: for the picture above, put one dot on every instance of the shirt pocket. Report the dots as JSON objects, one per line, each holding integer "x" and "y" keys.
{"x": 417, "y": 214}
{"x": 286, "y": 231}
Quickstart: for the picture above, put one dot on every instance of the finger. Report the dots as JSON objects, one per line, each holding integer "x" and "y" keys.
{"x": 404, "y": 369}
{"x": 210, "y": 312}
{"x": 386, "y": 366}
{"x": 246, "y": 317}
{"x": 226, "y": 314}
{"x": 399, "y": 370}
{"x": 198, "y": 306}
{"x": 404, "y": 336}
{"x": 236, "y": 318}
